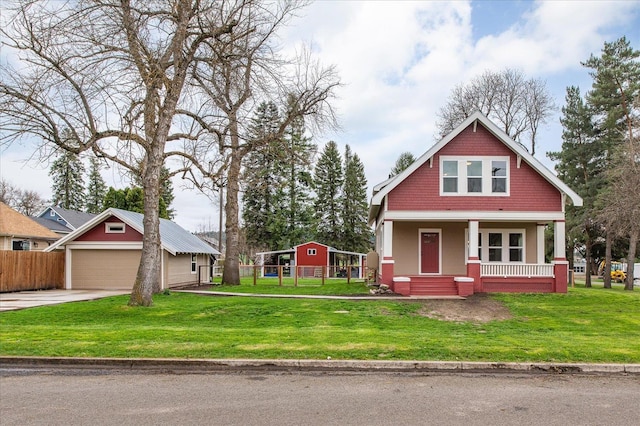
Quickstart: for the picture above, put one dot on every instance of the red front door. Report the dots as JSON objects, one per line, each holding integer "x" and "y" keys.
{"x": 430, "y": 253}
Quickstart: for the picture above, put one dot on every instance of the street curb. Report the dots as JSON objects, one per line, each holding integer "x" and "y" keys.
{"x": 201, "y": 366}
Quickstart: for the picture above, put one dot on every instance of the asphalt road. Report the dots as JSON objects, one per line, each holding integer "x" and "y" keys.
{"x": 82, "y": 397}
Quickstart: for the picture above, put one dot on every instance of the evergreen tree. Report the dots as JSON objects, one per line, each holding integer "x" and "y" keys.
{"x": 67, "y": 181}
{"x": 356, "y": 232}
{"x": 328, "y": 180}
{"x": 580, "y": 165}
{"x": 613, "y": 97}
{"x": 264, "y": 182}
{"x": 298, "y": 207}
{"x": 404, "y": 160}
{"x": 131, "y": 199}
{"x": 96, "y": 188}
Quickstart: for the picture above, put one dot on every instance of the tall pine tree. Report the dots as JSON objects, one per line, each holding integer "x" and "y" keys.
{"x": 298, "y": 207}
{"x": 67, "y": 181}
{"x": 263, "y": 181}
{"x": 328, "y": 180}
{"x": 613, "y": 97}
{"x": 356, "y": 232}
{"x": 96, "y": 188}
{"x": 581, "y": 166}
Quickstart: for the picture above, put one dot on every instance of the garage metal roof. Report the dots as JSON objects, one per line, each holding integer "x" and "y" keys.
{"x": 173, "y": 237}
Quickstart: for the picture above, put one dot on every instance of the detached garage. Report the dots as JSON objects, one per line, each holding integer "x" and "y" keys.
{"x": 105, "y": 253}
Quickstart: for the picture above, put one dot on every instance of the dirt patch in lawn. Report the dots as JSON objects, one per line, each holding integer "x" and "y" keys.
{"x": 478, "y": 308}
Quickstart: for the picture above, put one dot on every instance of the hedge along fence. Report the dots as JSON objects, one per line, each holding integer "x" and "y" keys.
{"x": 31, "y": 270}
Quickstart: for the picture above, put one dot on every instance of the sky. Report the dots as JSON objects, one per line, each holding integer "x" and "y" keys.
{"x": 398, "y": 62}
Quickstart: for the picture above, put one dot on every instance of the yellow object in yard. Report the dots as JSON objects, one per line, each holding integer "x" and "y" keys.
{"x": 618, "y": 273}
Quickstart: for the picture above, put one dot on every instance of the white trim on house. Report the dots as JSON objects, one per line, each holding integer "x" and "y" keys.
{"x": 430, "y": 230}
{"x": 462, "y": 189}
{"x": 463, "y": 215}
{"x": 382, "y": 189}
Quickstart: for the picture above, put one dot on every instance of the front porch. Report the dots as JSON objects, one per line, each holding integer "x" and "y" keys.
{"x": 494, "y": 278}
{"x": 462, "y": 258}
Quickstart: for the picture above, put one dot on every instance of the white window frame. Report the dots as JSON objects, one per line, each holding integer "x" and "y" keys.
{"x": 115, "y": 227}
{"x": 487, "y": 177}
{"x": 194, "y": 263}
{"x": 312, "y": 252}
{"x": 483, "y": 244}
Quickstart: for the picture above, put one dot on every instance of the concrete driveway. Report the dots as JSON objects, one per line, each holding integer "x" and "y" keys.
{"x": 30, "y": 299}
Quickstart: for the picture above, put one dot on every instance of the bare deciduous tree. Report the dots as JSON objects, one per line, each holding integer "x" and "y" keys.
{"x": 138, "y": 82}
{"x": 113, "y": 73}
{"x": 235, "y": 76}
{"x": 517, "y": 104}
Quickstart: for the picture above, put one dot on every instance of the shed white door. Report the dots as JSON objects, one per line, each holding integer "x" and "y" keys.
{"x": 104, "y": 269}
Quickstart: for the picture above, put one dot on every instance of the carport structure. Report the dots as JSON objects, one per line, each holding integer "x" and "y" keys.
{"x": 310, "y": 258}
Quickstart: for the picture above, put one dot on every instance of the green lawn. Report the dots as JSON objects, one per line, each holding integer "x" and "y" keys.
{"x": 313, "y": 286}
{"x": 585, "y": 325}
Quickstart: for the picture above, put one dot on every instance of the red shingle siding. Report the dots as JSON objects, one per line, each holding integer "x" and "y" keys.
{"x": 529, "y": 191}
{"x": 97, "y": 233}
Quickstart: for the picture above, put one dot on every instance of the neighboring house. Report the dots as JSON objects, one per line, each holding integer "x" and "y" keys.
{"x": 62, "y": 221}
{"x": 469, "y": 216}
{"x": 105, "y": 252}
{"x": 19, "y": 232}
{"x": 310, "y": 258}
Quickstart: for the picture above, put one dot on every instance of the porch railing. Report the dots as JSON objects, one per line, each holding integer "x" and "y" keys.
{"x": 516, "y": 270}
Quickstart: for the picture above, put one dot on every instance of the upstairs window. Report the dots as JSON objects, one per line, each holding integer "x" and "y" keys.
{"x": 474, "y": 175}
{"x": 498, "y": 176}
{"x": 450, "y": 176}
{"x": 311, "y": 252}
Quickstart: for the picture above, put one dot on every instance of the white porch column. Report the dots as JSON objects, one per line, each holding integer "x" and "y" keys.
{"x": 387, "y": 239}
{"x": 559, "y": 247}
{"x": 540, "y": 243}
{"x": 473, "y": 239}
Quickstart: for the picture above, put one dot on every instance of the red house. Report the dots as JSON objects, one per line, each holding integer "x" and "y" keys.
{"x": 469, "y": 216}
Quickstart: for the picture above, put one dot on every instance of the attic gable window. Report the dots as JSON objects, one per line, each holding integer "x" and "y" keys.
{"x": 311, "y": 252}
{"x": 114, "y": 228}
{"x": 474, "y": 175}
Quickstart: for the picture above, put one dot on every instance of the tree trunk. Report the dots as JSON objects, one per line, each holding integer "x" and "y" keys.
{"x": 589, "y": 261}
{"x": 631, "y": 258}
{"x": 148, "y": 279}
{"x": 231, "y": 273}
{"x": 607, "y": 259}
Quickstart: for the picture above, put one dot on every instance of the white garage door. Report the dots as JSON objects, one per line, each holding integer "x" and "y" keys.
{"x": 104, "y": 269}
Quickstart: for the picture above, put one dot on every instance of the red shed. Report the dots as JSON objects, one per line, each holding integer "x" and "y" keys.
{"x": 310, "y": 258}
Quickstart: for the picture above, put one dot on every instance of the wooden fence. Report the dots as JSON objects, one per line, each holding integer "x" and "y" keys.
{"x": 31, "y": 270}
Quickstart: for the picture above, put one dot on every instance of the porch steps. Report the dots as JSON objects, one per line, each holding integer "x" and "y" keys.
{"x": 433, "y": 286}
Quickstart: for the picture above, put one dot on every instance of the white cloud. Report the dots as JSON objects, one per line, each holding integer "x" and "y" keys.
{"x": 398, "y": 62}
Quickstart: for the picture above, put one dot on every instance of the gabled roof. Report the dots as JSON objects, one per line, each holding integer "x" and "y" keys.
{"x": 173, "y": 237}
{"x": 383, "y": 188}
{"x": 15, "y": 224}
{"x": 52, "y": 225}
{"x": 74, "y": 218}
